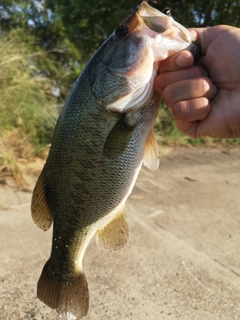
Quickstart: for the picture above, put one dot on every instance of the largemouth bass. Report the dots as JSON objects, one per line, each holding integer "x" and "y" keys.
{"x": 101, "y": 139}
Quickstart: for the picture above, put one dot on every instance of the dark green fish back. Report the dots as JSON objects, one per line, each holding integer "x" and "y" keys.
{"x": 93, "y": 157}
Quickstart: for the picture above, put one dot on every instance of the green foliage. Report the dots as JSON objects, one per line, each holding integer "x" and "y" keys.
{"x": 88, "y": 23}
{"x": 27, "y": 101}
{"x": 45, "y": 45}
{"x": 202, "y": 13}
{"x": 77, "y": 28}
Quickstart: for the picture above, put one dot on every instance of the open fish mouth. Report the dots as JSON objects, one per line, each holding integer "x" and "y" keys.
{"x": 160, "y": 37}
{"x": 162, "y": 23}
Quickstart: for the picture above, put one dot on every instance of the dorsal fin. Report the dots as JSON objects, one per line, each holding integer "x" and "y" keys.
{"x": 115, "y": 235}
{"x": 151, "y": 152}
{"x": 40, "y": 211}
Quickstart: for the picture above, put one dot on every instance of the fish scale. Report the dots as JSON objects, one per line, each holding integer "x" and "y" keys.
{"x": 103, "y": 136}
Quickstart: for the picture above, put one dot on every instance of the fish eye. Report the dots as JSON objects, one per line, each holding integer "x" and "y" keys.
{"x": 167, "y": 12}
{"x": 121, "y": 32}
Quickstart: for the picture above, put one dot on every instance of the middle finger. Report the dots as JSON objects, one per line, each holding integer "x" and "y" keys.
{"x": 165, "y": 79}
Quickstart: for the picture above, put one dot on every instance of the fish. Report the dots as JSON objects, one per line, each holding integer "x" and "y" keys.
{"x": 102, "y": 137}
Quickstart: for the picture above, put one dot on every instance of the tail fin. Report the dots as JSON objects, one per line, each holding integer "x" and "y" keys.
{"x": 69, "y": 298}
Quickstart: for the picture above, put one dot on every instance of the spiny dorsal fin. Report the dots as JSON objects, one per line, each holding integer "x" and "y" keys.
{"x": 151, "y": 152}
{"x": 40, "y": 211}
{"x": 115, "y": 235}
{"x": 69, "y": 297}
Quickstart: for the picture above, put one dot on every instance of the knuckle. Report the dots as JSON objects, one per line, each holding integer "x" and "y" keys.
{"x": 191, "y": 110}
{"x": 160, "y": 83}
{"x": 197, "y": 71}
{"x": 205, "y": 87}
{"x": 181, "y": 110}
{"x": 168, "y": 95}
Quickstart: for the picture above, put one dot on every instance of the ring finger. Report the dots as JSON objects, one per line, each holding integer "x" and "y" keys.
{"x": 189, "y": 89}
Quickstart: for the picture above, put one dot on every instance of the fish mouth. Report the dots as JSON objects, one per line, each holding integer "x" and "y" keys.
{"x": 161, "y": 23}
{"x": 167, "y": 26}
{"x": 161, "y": 37}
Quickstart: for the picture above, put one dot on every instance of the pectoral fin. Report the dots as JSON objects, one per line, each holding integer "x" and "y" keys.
{"x": 151, "y": 152}
{"x": 120, "y": 135}
{"x": 40, "y": 211}
{"x": 115, "y": 235}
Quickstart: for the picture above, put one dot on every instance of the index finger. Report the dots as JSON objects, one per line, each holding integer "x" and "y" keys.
{"x": 181, "y": 60}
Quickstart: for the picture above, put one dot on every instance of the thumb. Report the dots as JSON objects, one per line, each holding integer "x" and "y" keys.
{"x": 205, "y": 36}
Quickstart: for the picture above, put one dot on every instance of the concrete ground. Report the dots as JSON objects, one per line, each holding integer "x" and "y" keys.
{"x": 183, "y": 259}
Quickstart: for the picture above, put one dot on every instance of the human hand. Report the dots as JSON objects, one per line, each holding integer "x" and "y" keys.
{"x": 205, "y": 98}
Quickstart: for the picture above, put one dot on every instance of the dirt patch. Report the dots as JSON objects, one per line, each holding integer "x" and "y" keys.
{"x": 187, "y": 211}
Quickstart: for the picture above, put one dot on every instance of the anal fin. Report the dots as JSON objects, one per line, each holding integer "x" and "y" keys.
{"x": 40, "y": 211}
{"x": 115, "y": 235}
{"x": 151, "y": 152}
{"x": 69, "y": 297}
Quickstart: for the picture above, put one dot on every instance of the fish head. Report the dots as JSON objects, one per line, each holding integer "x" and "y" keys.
{"x": 129, "y": 59}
